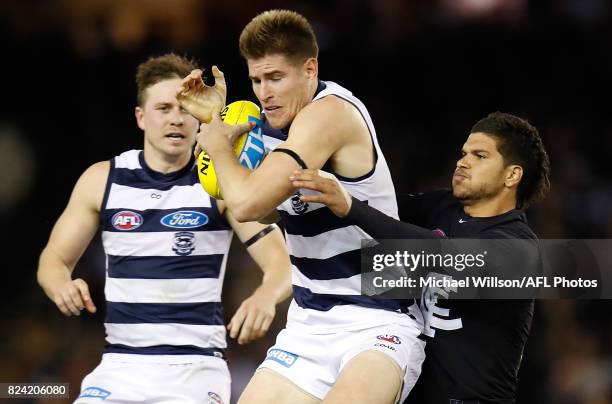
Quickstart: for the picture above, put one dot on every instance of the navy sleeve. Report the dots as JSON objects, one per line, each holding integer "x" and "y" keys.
{"x": 379, "y": 225}
{"x": 420, "y": 208}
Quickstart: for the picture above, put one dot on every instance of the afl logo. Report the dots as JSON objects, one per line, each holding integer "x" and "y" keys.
{"x": 184, "y": 219}
{"x": 126, "y": 220}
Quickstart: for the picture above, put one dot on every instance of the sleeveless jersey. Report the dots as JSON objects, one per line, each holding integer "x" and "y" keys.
{"x": 166, "y": 247}
{"x": 326, "y": 252}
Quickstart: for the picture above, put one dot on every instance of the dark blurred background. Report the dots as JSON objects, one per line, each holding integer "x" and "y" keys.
{"x": 426, "y": 69}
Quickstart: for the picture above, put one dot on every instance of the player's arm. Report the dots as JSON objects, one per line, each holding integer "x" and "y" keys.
{"x": 317, "y": 132}
{"x": 69, "y": 238}
{"x": 267, "y": 247}
{"x": 372, "y": 221}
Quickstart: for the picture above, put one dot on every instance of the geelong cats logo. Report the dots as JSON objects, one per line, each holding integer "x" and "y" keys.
{"x": 184, "y": 243}
{"x": 299, "y": 206}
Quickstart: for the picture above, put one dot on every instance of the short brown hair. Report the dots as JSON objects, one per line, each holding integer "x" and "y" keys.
{"x": 161, "y": 68}
{"x": 281, "y": 32}
{"x": 519, "y": 143}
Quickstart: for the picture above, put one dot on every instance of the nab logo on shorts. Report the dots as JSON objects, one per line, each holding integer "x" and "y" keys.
{"x": 126, "y": 220}
{"x": 394, "y": 339}
{"x": 95, "y": 392}
{"x": 287, "y": 359}
{"x": 184, "y": 219}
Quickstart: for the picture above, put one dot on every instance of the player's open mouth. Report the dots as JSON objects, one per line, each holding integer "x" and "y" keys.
{"x": 176, "y": 136}
{"x": 271, "y": 109}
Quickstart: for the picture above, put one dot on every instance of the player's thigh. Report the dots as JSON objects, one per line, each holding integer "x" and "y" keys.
{"x": 113, "y": 383}
{"x": 267, "y": 386}
{"x": 369, "y": 377}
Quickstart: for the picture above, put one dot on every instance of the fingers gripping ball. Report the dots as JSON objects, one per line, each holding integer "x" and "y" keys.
{"x": 249, "y": 147}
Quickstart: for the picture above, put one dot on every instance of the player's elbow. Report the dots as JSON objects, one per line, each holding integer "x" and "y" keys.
{"x": 246, "y": 212}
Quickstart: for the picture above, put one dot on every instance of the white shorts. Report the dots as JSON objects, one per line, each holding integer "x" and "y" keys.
{"x": 115, "y": 381}
{"x": 314, "y": 361}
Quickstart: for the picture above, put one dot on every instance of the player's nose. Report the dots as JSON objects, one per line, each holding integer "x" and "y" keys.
{"x": 265, "y": 91}
{"x": 462, "y": 162}
{"x": 177, "y": 117}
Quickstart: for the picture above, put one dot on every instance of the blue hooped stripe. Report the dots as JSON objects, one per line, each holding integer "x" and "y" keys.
{"x": 210, "y": 313}
{"x": 183, "y": 267}
{"x": 165, "y": 350}
{"x": 306, "y": 299}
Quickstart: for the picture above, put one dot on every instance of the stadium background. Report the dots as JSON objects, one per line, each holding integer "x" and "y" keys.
{"x": 426, "y": 69}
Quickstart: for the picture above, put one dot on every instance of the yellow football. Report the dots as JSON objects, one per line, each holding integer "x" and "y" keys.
{"x": 249, "y": 147}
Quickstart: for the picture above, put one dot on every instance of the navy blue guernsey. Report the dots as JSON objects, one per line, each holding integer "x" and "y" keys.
{"x": 474, "y": 350}
{"x": 166, "y": 247}
{"x": 325, "y": 251}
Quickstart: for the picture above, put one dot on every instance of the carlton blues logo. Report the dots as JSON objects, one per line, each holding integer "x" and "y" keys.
{"x": 126, "y": 220}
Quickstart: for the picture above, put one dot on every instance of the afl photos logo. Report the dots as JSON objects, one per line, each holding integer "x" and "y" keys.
{"x": 126, "y": 220}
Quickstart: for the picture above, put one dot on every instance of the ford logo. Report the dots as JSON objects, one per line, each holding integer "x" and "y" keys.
{"x": 184, "y": 219}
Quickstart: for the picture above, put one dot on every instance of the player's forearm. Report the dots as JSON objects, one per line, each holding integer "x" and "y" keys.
{"x": 277, "y": 281}
{"x": 234, "y": 181}
{"x": 52, "y": 273}
{"x": 379, "y": 225}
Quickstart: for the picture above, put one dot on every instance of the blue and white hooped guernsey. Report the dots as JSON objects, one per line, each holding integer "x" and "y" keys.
{"x": 325, "y": 252}
{"x": 166, "y": 247}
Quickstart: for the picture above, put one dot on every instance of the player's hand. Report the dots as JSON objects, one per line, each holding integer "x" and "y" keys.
{"x": 217, "y": 134}
{"x": 200, "y": 100}
{"x": 331, "y": 192}
{"x": 253, "y": 318}
{"x": 73, "y": 297}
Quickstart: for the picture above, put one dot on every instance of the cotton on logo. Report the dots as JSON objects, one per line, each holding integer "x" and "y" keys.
{"x": 126, "y": 220}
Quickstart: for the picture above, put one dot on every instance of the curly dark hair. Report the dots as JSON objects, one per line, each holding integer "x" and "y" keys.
{"x": 519, "y": 143}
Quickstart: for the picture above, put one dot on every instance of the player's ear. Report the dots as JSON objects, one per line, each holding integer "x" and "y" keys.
{"x": 311, "y": 67}
{"x": 514, "y": 174}
{"x": 139, "y": 114}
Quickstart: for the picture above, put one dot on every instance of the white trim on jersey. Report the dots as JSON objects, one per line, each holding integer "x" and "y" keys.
{"x": 144, "y": 335}
{"x": 328, "y": 244}
{"x": 162, "y": 290}
{"x": 271, "y": 142}
{"x": 129, "y": 160}
{"x": 125, "y": 197}
{"x": 338, "y": 286}
{"x": 159, "y": 244}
